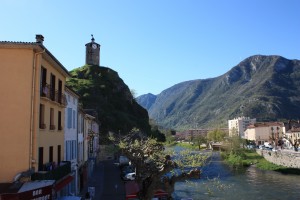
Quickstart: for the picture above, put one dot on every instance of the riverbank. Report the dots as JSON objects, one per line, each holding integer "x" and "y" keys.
{"x": 186, "y": 145}
{"x": 250, "y": 157}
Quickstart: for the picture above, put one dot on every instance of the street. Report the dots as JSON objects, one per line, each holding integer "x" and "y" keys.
{"x": 106, "y": 179}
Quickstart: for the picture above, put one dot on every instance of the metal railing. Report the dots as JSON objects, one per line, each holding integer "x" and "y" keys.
{"x": 51, "y": 172}
{"x": 52, "y": 94}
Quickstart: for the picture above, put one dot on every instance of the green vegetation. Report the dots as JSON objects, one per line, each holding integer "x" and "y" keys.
{"x": 237, "y": 156}
{"x": 216, "y": 135}
{"x": 244, "y": 158}
{"x": 250, "y": 157}
{"x": 187, "y": 145}
{"x": 102, "y": 90}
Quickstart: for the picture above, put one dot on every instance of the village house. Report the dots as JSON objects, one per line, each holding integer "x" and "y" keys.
{"x": 49, "y": 144}
{"x": 262, "y": 132}
{"x": 71, "y": 144}
{"x": 33, "y": 103}
{"x": 292, "y": 137}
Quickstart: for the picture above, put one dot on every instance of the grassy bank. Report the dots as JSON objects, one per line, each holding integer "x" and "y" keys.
{"x": 186, "y": 145}
{"x": 247, "y": 157}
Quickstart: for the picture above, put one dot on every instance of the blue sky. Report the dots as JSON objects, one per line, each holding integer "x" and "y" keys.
{"x": 154, "y": 44}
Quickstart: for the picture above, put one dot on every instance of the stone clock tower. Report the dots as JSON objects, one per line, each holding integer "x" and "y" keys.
{"x": 92, "y": 53}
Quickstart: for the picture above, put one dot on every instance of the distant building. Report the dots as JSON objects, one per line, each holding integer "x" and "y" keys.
{"x": 265, "y": 132}
{"x": 237, "y": 126}
{"x": 193, "y": 133}
{"x": 292, "y": 135}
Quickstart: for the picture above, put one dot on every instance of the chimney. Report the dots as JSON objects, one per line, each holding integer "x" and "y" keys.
{"x": 39, "y": 38}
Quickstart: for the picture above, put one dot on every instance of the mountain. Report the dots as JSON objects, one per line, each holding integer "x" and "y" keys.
{"x": 261, "y": 87}
{"x": 102, "y": 89}
{"x": 146, "y": 100}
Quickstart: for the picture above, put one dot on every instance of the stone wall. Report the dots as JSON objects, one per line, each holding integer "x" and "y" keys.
{"x": 285, "y": 158}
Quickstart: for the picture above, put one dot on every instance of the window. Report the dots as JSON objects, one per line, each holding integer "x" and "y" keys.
{"x": 67, "y": 149}
{"x": 51, "y": 154}
{"x": 58, "y": 154}
{"x": 52, "y": 87}
{"x": 52, "y": 126}
{"x": 59, "y": 91}
{"x": 43, "y": 82}
{"x": 69, "y": 117}
{"x": 42, "y": 117}
{"x": 41, "y": 158}
{"x": 59, "y": 121}
{"x": 74, "y": 119}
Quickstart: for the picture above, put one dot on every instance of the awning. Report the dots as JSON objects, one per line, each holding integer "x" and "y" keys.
{"x": 61, "y": 184}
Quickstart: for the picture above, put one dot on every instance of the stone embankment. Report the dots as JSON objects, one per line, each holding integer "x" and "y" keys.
{"x": 287, "y": 158}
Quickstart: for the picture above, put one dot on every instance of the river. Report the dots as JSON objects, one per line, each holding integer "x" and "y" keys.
{"x": 220, "y": 182}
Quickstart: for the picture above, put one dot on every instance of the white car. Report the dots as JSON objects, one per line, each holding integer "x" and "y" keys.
{"x": 130, "y": 176}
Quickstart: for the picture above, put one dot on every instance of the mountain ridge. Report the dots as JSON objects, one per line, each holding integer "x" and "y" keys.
{"x": 262, "y": 87}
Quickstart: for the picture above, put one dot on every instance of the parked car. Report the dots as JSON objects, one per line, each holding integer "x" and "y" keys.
{"x": 126, "y": 170}
{"x": 250, "y": 146}
{"x": 130, "y": 176}
{"x": 268, "y": 145}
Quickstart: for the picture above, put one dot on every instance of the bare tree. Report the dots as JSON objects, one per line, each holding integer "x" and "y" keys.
{"x": 155, "y": 167}
{"x": 294, "y": 143}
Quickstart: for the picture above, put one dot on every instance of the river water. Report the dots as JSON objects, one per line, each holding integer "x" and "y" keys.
{"x": 220, "y": 182}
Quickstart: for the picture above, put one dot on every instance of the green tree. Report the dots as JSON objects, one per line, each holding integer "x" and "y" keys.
{"x": 216, "y": 135}
{"x": 233, "y": 131}
{"x": 200, "y": 139}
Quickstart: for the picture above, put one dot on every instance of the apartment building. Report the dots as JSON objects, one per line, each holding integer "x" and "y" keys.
{"x": 33, "y": 103}
{"x": 263, "y": 132}
{"x": 48, "y": 144}
{"x": 237, "y": 126}
{"x": 71, "y": 138}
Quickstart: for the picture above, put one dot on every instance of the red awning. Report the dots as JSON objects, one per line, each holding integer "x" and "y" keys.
{"x": 131, "y": 188}
{"x": 61, "y": 184}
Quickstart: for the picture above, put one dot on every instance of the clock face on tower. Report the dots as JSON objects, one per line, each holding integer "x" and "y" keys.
{"x": 94, "y": 46}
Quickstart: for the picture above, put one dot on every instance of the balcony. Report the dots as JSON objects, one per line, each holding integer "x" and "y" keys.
{"x": 54, "y": 95}
{"x": 60, "y": 128}
{"x": 53, "y": 173}
{"x": 43, "y": 126}
{"x": 52, "y": 127}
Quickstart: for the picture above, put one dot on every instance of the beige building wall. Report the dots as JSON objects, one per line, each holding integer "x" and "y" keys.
{"x": 20, "y": 99}
{"x": 262, "y": 134}
{"x": 55, "y": 137}
{"x": 16, "y": 88}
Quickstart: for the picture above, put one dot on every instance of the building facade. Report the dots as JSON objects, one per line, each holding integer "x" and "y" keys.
{"x": 33, "y": 103}
{"x": 237, "y": 126}
{"x": 262, "y": 132}
{"x": 71, "y": 138}
{"x": 292, "y": 138}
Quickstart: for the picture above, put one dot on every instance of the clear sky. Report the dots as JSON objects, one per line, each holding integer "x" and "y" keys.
{"x": 155, "y": 44}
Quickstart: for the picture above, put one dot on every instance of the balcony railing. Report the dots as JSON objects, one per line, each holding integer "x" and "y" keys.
{"x": 42, "y": 126}
{"x": 53, "y": 172}
{"x": 60, "y": 128}
{"x": 54, "y": 95}
{"x": 52, "y": 127}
